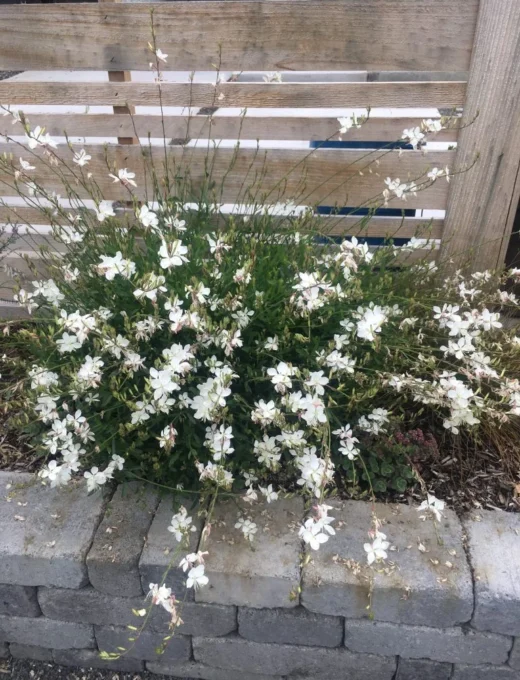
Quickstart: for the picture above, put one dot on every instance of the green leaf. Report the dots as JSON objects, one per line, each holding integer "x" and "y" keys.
{"x": 399, "y": 484}
{"x": 387, "y": 470}
{"x": 379, "y": 485}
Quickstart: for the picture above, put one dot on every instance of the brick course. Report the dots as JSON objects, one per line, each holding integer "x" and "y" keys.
{"x": 71, "y": 576}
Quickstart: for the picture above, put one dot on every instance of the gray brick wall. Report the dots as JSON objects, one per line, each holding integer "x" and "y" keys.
{"x": 72, "y": 572}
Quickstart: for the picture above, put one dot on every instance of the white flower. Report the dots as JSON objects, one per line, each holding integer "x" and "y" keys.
{"x": 142, "y": 412}
{"x": 432, "y": 125}
{"x": 49, "y": 290}
{"x": 348, "y": 442}
{"x": 95, "y": 478}
{"x": 175, "y": 223}
{"x": 181, "y": 524}
{"x": 162, "y": 382}
{"x": 38, "y": 137}
{"x": 264, "y": 413}
{"x": 192, "y": 559}
{"x": 124, "y": 176}
{"x": 110, "y": 266}
{"x": 316, "y": 382}
{"x": 281, "y": 377}
{"x": 218, "y": 441}
{"x": 69, "y": 235}
{"x": 172, "y": 254}
{"x": 347, "y": 122}
{"x": 340, "y": 363}
{"x": 104, "y": 210}
{"x": 151, "y": 286}
{"x": 46, "y": 407}
{"x": 81, "y": 157}
{"x": 89, "y": 373}
{"x": 434, "y": 173}
{"x": 161, "y": 596}
{"x": 42, "y": 378}
{"x": 377, "y": 549}
{"x": 267, "y": 451}
{"x": 116, "y": 346}
{"x": 25, "y": 165}
{"x": 315, "y": 472}
{"x": 247, "y": 527}
{"x": 68, "y": 343}
{"x": 271, "y": 344}
{"x": 376, "y": 421}
{"x": 160, "y": 55}
{"x": 269, "y": 494}
{"x": 433, "y": 505}
{"x": 196, "y": 577}
{"x": 312, "y": 532}
{"x": 313, "y": 410}
{"x": 133, "y": 361}
{"x": 58, "y": 475}
{"x": 414, "y": 136}
{"x": 117, "y": 462}
{"x": 147, "y": 217}
{"x": 167, "y": 438}
{"x": 371, "y": 320}
{"x": 215, "y": 473}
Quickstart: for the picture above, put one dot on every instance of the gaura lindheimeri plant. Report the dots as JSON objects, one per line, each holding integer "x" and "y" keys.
{"x": 241, "y": 353}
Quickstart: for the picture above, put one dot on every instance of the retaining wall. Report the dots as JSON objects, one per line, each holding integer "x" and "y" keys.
{"x": 446, "y": 605}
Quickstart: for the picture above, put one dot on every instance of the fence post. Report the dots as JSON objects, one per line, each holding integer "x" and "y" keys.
{"x": 482, "y": 201}
{"x": 121, "y": 77}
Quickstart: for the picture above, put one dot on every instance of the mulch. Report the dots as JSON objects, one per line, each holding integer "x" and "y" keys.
{"x": 16, "y": 669}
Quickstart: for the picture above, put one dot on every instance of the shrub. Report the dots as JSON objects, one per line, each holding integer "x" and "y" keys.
{"x": 251, "y": 354}
{"x": 185, "y": 347}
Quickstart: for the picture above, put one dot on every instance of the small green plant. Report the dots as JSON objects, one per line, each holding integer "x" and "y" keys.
{"x": 388, "y": 464}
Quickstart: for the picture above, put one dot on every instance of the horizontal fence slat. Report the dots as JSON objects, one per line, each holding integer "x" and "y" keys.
{"x": 310, "y": 34}
{"x": 333, "y": 225}
{"x": 327, "y": 176}
{"x": 222, "y": 127}
{"x": 250, "y": 95}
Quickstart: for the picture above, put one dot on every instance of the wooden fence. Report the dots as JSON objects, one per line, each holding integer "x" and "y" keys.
{"x": 476, "y": 37}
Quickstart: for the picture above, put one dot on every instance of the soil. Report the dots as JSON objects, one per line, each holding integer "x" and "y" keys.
{"x": 15, "y": 669}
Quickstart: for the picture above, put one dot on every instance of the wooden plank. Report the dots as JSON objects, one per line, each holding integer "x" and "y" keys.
{"x": 23, "y": 216}
{"x": 223, "y": 127}
{"x": 333, "y": 176}
{"x": 243, "y": 95}
{"x": 121, "y": 77}
{"x": 395, "y": 35}
{"x": 482, "y": 202}
{"x": 380, "y": 227}
{"x": 339, "y": 225}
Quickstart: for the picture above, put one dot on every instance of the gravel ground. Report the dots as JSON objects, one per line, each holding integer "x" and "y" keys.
{"x": 16, "y": 669}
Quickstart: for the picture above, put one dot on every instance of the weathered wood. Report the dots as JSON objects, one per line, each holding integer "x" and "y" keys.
{"x": 222, "y": 127}
{"x": 330, "y": 176}
{"x": 482, "y": 202}
{"x": 288, "y": 35}
{"x": 250, "y": 95}
{"x": 333, "y": 225}
{"x": 121, "y": 77}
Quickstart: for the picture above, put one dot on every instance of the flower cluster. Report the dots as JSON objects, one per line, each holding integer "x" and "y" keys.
{"x": 197, "y": 349}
